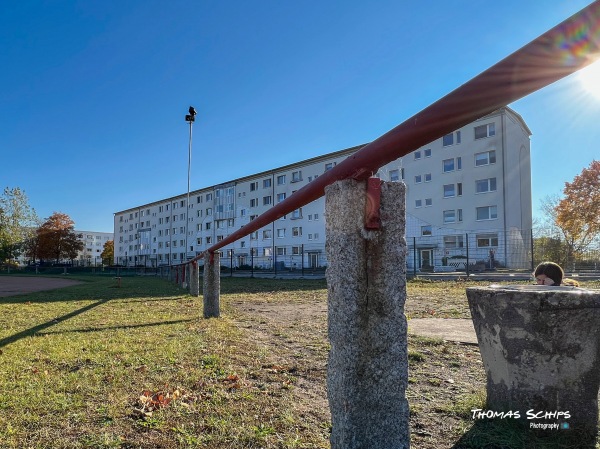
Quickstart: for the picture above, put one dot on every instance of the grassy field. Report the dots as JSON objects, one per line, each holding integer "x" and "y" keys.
{"x": 95, "y": 366}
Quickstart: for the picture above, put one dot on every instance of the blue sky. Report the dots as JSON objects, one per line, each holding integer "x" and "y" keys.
{"x": 93, "y": 94}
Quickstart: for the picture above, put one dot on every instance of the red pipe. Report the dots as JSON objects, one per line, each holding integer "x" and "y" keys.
{"x": 561, "y": 51}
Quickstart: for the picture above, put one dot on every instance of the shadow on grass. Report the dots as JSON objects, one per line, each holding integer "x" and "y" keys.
{"x": 111, "y": 328}
{"x": 40, "y": 327}
{"x": 515, "y": 435}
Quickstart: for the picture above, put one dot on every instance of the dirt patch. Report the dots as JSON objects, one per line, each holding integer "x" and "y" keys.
{"x": 441, "y": 373}
{"x": 20, "y": 285}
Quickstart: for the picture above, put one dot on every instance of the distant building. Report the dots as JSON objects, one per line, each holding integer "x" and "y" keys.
{"x": 93, "y": 245}
{"x": 469, "y": 191}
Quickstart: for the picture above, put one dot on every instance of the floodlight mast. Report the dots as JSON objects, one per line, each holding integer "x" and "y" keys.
{"x": 561, "y": 51}
{"x": 191, "y": 118}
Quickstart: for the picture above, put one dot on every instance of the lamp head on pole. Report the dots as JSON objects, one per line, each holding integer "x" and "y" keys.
{"x": 191, "y": 117}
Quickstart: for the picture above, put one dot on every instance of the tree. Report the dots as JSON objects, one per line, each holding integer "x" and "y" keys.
{"x": 108, "y": 252}
{"x": 57, "y": 239}
{"x": 17, "y": 222}
{"x": 578, "y": 213}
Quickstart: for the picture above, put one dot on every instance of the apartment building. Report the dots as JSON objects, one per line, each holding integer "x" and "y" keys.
{"x": 93, "y": 245}
{"x": 468, "y": 195}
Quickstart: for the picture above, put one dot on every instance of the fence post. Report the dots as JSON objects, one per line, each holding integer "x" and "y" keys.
{"x": 212, "y": 284}
{"x": 302, "y": 257}
{"x": 367, "y": 371}
{"x": 231, "y": 263}
{"x": 532, "y": 255}
{"x": 414, "y": 256}
{"x": 194, "y": 279}
{"x": 467, "y": 243}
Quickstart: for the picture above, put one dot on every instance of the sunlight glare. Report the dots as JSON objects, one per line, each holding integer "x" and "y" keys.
{"x": 590, "y": 79}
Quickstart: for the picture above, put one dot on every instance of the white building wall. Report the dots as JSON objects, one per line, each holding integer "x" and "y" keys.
{"x": 153, "y": 234}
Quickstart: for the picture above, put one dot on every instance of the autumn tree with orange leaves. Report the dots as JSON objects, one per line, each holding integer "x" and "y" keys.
{"x": 57, "y": 238}
{"x": 578, "y": 213}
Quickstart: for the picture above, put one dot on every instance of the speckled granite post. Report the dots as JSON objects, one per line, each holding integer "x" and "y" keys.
{"x": 194, "y": 279}
{"x": 212, "y": 285}
{"x": 541, "y": 349}
{"x": 366, "y": 278}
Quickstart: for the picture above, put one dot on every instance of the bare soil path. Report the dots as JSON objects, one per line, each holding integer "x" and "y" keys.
{"x": 20, "y": 285}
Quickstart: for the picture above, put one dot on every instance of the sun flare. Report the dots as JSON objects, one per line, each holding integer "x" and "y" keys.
{"x": 590, "y": 79}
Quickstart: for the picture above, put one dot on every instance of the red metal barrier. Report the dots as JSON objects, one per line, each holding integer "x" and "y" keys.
{"x": 566, "y": 48}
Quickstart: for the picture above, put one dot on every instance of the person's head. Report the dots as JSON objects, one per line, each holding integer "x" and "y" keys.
{"x": 548, "y": 273}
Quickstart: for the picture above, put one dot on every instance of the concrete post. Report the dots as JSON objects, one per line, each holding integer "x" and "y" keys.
{"x": 194, "y": 280}
{"x": 366, "y": 279}
{"x": 212, "y": 285}
{"x": 541, "y": 349}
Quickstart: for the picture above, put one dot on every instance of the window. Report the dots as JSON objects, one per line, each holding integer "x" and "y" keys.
{"x": 448, "y": 140}
{"x": 485, "y": 158}
{"x": 219, "y": 238}
{"x": 297, "y": 214}
{"x": 453, "y": 241}
{"x": 266, "y": 234}
{"x": 457, "y": 137}
{"x": 280, "y": 197}
{"x": 198, "y": 200}
{"x": 427, "y": 152}
{"x": 428, "y": 202}
{"x": 266, "y": 183}
{"x": 266, "y": 200}
{"x": 281, "y": 250}
{"x": 427, "y": 177}
{"x": 394, "y": 175}
{"x": 329, "y": 165}
{"x": 230, "y": 222}
{"x": 487, "y": 240}
{"x": 426, "y": 230}
{"x": 253, "y": 217}
{"x": 296, "y": 176}
{"x": 296, "y": 250}
{"x": 316, "y": 216}
{"x": 418, "y": 179}
{"x": 254, "y": 235}
{"x": 267, "y": 252}
{"x": 280, "y": 180}
{"x": 483, "y": 131}
{"x": 297, "y": 231}
{"x": 450, "y": 165}
{"x": 254, "y": 202}
{"x": 485, "y": 185}
{"x": 253, "y": 186}
{"x": 220, "y": 224}
{"x": 208, "y": 240}
{"x": 281, "y": 233}
{"x": 449, "y": 216}
{"x": 487, "y": 213}
{"x": 418, "y": 203}
{"x": 243, "y": 244}
{"x": 417, "y": 155}
{"x": 449, "y": 191}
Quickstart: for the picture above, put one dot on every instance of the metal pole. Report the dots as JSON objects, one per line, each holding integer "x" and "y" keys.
{"x": 190, "y": 118}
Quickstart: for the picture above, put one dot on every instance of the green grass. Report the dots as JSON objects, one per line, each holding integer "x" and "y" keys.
{"x": 75, "y": 362}
{"x": 80, "y": 366}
